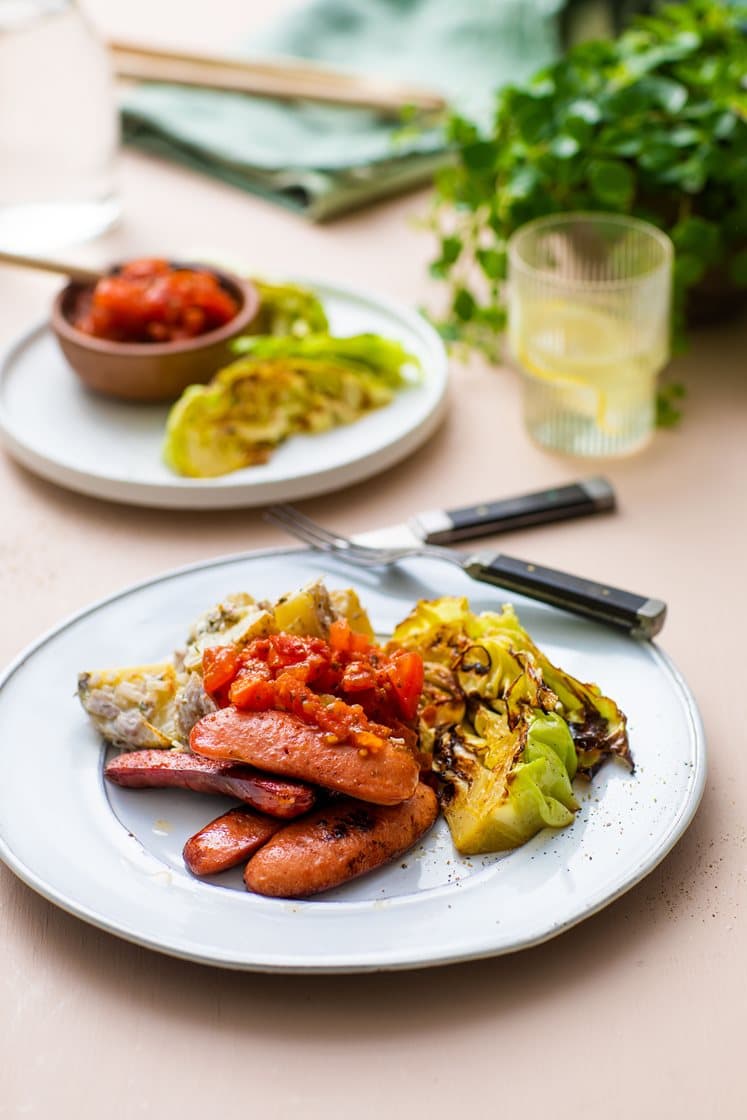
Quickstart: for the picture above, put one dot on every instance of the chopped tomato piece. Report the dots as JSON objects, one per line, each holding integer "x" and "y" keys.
{"x": 358, "y": 677}
{"x": 350, "y": 688}
{"x": 219, "y": 667}
{"x": 340, "y": 634}
{"x": 406, "y": 674}
{"x": 152, "y": 301}
{"x": 347, "y": 640}
{"x": 252, "y": 692}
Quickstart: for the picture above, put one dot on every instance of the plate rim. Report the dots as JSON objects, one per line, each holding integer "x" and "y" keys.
{"x": 201, "y": 494}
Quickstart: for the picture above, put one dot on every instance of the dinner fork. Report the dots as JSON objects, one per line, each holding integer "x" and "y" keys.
{"x": 640, "y": 616}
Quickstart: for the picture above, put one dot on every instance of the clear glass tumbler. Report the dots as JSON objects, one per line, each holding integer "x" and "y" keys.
{"x": 59, "y": 127}
{"x": 589, "y": 329}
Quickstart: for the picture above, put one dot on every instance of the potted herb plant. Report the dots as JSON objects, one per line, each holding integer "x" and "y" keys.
{"x": 652, "y": 123}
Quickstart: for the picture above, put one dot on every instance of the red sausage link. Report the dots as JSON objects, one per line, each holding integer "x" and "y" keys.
{"x": 338, "y": 843}
{"x": 228, "y": 840}
{"x": 160, "y": 769}
{"x": 283, "y": 744}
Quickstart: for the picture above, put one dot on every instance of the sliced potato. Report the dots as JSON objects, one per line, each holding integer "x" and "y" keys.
{"x": 346, "y": 604}
{"x": 308, "y": 611}
{"x": 236, "y": 620}
{"x": 133, "y": 707}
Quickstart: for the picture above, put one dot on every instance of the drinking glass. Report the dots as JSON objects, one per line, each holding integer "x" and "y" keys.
{"x": 589, "y": 329}
{"x": 58, "y": 127}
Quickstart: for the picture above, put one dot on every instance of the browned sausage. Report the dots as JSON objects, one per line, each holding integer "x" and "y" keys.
{"x": 159, "y": 769}
{"x": 283, "y": 744}
{"x": 227, "y": 841}
{"x": 338, "y": 843}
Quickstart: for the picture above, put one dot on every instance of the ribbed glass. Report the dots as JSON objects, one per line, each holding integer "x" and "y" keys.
{"x": 589, "y": 326}
{"x": 59, "y": 128}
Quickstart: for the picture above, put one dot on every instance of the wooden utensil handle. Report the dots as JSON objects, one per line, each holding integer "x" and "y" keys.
{"x": 60, "y": 268}
{"x": 287, "y": 80}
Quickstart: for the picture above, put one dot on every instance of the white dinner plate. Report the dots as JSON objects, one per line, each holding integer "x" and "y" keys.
{"x": 113, "y": 856}
{"x": 111, "y": 449}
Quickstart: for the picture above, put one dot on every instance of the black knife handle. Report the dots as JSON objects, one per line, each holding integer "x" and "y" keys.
{"x": 592, "y": 495}
{"x": 640, "y": 616}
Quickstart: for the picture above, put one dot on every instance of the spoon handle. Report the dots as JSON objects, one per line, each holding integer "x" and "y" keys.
{"x": 61, "y": 268}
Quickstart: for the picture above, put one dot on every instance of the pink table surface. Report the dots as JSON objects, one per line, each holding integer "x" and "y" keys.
{"x": 638, "y": 1011}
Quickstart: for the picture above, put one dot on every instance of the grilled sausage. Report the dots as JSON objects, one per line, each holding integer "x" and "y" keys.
{"x": 159, "y": 769}
{"x": 227, "y": 841}
{"x": 281, "y": 743}
{"x": 338, "y": 843}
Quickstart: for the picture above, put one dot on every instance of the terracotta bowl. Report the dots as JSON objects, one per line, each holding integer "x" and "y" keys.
{"x": 150, "y": 371}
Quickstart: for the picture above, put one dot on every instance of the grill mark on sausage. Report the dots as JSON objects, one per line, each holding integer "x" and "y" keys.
{"x": 330, "y": 847}
{"x": 358, "y": 820}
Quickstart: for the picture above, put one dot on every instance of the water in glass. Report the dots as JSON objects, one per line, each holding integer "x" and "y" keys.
{"x": 58, "y": 127}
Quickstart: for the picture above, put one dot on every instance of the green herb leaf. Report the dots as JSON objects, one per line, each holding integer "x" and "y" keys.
{"x": 738, "y": 268}
{"x": 664, "y": 93}
{"x": 531, "y": 119}
{"x": 688, "y": 269}
{"x": 585, "y": 110}
{"x": 451, "y": 247}
{"x": 668, "y": 415}
{"x": 564, "y": 147}
{"x": 699, "y": 238}
{"x": 492, "y": 262}
{"x": 464, "y": 305}
{"x": 480, "y": 156}
{"x": 612, "y": 183}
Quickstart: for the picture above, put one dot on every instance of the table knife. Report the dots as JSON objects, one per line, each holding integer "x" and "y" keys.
{"x": 438, "y": 526}
{"x": 639, "y": 615}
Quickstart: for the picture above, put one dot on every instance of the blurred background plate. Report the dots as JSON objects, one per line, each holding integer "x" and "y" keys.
{"x": 110, "y": 449}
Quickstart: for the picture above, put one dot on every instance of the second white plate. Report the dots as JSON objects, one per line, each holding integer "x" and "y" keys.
{"x": 111, "y": 449}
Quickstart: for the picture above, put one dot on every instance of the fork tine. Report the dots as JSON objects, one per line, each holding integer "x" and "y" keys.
{"x": 301, "y": 531}
{"x": 292, "y": 519}
{"x": 290, "y": 516}
{"x": 311, "y": 533}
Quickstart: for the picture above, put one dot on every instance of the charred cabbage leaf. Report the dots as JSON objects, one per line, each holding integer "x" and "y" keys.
{"x": 506, "y": 729}
{"x": 281, "y": 386}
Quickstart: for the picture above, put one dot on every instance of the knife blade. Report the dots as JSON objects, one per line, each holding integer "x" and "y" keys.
{"x": 438, "y": 526}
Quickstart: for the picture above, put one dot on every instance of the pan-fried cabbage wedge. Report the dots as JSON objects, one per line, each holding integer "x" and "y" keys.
{"x": 281, "y": 387}
{"x": 507, "y": 730}
{"x": 287, "y": 309}
{"x": 157, "y": 705}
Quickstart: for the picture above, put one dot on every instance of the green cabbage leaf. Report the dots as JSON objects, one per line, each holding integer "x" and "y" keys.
{"x": 507, "y": 730}
{"x": 281, "y": 387}
{"x": 287, "y": 309}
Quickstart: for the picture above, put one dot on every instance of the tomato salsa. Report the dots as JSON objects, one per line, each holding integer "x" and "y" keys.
{"x": 154, "y": 301}
{"x": 351, "y": 689}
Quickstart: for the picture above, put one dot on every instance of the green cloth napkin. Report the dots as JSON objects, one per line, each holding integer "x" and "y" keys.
{"x": 323, "y": 160}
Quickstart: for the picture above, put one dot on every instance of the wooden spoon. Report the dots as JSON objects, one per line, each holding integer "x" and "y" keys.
{"x": 74, "y": 272}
